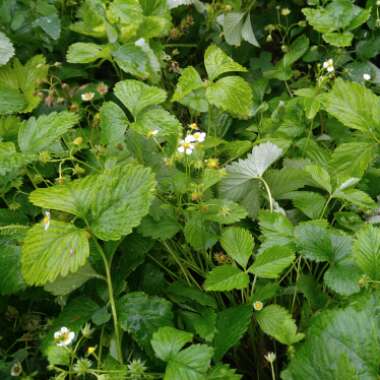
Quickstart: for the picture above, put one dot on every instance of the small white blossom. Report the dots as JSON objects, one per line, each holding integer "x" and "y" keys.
{"x": 258, "y": 305}
{"x": 366, "y": 77}
{"x": 16, "y": 369}
{"x": 140, "y": 42}
{"x": 329, "y": 65}
{"x": 186, "y": 146}
{"x": 270, "y": 357}
{"x": 87, "y": 96}
{"x": 102, "y": 88}
{"x": 285, "y": 12}
{"x": 46, "y": 220}
{"x": 64, "y": 337}
{"x": 198, "y": 137}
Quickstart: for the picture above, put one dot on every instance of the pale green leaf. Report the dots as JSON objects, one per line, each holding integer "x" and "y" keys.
{"x": 233, "y": 95}
{"x": 137, "y": 96}
{"x": 356, "y": 197}
{"x": 232, "y": 27}
{"x": 271, "y": 262}
{"x": 222, "y": 211}
{"x": 277, "y": 322}
{"x": 113, "y": 124}
{"x": 339, "y": 39}
{"x": 39, "y": 134}
{"x": 56, "y": 251}
{"x": 238, "y": 243}
{"x": 247, "y": 32}
{"x": 7, "y": 50}
{"x": 225, "y": 278}
{"x": 320, "y": 177}
{"x": 217, "y": 62}
{"x": 231, "y": 324}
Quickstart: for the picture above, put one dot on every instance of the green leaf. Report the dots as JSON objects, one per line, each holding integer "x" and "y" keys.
{"x": 190, "y": 90}
{"x": 222, "y": 211}
{"x": 232, "y": 27}
{"x": 138, "y": 60}
{"x": 366, "y": 251}
{"x": 191, "y": 363}
{"x": 225, "y": 278}
{"x": 222, "y": 372}
{"x": 247, "y": 32}
{"x": 7, "y": 50}
{"x": 113, "y": 124}
{"x": 320, "y": 177}
{"x": 233, "y": 95}
{"x": 339, "y": 39}
{"x": 141, "y": 315}
{"x": 238, "y": 243}
{"x": 349, "y": 333}
{"x": 217, "y": 62}
{"x": 277, "y": 322}
{"x": 271, "y": 262}
{"x": 202, "y": 322}
{"x": 65, "y": 285}
{"x": 311, "y": 204}
{"x": 168, "y": 341}
{"x": 11, "y": 280}
{"x": 354, "y": 105}
{"x": 343, "y": 278}
{"x": 199, "y": 233}
{"x": 296, "y": 50}
{"x": 39, "y": 134}
{"x": 356, "y": 197}
{"x": 56, "y": 251}
{"x": 137, "y": 96}
{"x": 87, "y": 52}
{"x": 231, "y": 325}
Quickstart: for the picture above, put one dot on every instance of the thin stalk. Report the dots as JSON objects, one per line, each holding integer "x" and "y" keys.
{"x": 112, "y": 301}
{"x": 272, "y": 370}
{"x": 268, "y": 192}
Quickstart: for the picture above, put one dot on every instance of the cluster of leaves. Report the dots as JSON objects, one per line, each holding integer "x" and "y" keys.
{"x": 189, "y": 189}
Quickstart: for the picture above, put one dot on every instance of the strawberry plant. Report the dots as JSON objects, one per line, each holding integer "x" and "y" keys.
{"x": 189, "y": 190}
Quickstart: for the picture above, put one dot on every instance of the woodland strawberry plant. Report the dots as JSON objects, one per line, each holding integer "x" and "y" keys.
{"x": 189, "y": 190}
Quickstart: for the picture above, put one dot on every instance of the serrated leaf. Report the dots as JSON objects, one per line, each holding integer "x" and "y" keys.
{"x": 231, "y": 324}
{"x": 355, "y": 197}
{"x": 225, "y": 278}
{"x": 141, "y": 315}
{"x": 233, "y": 95}
{"x": 222, "y": 211}
{"x": 65, "y": 285}
{"x": 222, "y": 372}
{"x": 113, "y": 124}
{"x": 137, "y": 96}
{"x": 366, "y": 251}
{"x": 37, "y": 135}
{"x": 238, "y": 243}
{"x": 310, "y": 203}
{"x": 320, "y": 177}
{"x": 87, "y": 52}
{"x": 199, "y": 233}
{"x": 217, "y": 62}
{"x": 7, "y": 50}
{"x": 11, "y": 280}
{"x": 271, "y": 262}
{"x": 277, "y": 322}
{"x": 202, "y": 322}
{"x": 168, "y": 341}
{"x": 57, "y": 251}
{"x": 349, "y": 333}
{"x": 354, "y": 105}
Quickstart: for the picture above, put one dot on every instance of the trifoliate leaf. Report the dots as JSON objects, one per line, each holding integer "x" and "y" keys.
{"x": 277, "y": 322}
{"x": 7, "y": 50}
{"x": 141, "y": 315}
{"x": 231, "y": 325}
{"x": 224, "y": 278}
{"x": 55, "y": 251}
{"x": 37, "y": 135}
{"x": 217, "y": 62}
{"x": 238, "y": 243}
{"x": 137, "y": 96}
{"x": 271, "y": 262}
{"x": 366, "y": 251}
{"x": 233, "y": 95}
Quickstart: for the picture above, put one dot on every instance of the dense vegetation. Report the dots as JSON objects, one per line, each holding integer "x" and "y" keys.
{"x": 189, "y": 189}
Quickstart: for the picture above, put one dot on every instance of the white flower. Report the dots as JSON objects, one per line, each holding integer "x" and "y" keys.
{"x": 258, "y": 305}
{"x": 270, "y": 357}
{"x": 46, "y": 220}
{"x": 16, "y": 369}
{"x": 366, "y": 77}
{"x": 177, "y": 3}
{"x": 285, "y": 12}
{"x": 186, "y": 146}
{"x": 378, "y": 3}
{"x": 64, "y": 337}
{"x": 87, "y": 96}
{"x": 102, "y": 88}
{"x": 140, "y": 42}
{"x": 198, "y": 136}
{"x": 329, "y": 65}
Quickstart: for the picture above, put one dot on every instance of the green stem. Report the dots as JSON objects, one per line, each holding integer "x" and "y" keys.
{"x": 112, "y": 301}
{"x": 272, "y": 370}
{"x": 268, "y": 192}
